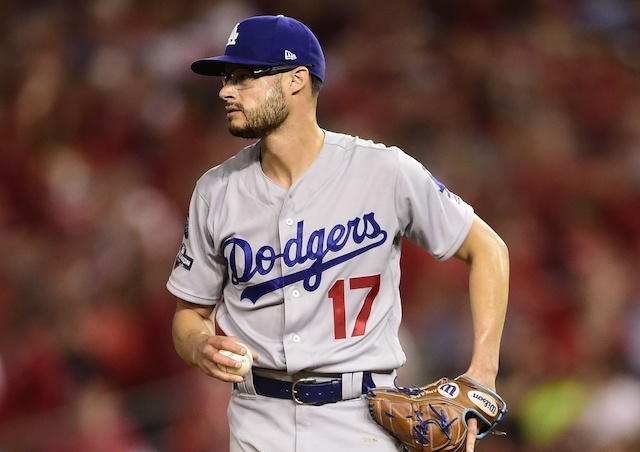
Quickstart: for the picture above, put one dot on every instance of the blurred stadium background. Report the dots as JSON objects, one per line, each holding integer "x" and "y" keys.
{"x": 528, "y": 109}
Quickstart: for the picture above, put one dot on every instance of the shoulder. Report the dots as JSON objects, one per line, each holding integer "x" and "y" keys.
{"x": 355, "y": 143}
{"x": 220, "y": 175}
{"x": 363, "y": 149}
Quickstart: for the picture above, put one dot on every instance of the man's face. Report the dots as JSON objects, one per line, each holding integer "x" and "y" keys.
{"x": 255, "y": 106}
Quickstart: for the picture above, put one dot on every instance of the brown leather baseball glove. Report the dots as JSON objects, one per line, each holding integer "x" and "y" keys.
{"x": 434, "y": 417}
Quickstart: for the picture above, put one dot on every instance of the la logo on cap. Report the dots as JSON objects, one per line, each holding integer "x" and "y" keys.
{"x": 233, "y": 36}
{"x": 288, "y": 55}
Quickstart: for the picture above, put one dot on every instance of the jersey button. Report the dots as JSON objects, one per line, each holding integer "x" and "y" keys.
{"x": 295, "y": 293}
{"x": 289, "y": 221}
{"x": 296, "y": 338}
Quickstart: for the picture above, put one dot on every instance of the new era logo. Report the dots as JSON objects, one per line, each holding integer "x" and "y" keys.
{"x": 288, "y": 55}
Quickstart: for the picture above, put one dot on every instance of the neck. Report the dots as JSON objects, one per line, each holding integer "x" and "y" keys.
{"x": 289, "y": 152}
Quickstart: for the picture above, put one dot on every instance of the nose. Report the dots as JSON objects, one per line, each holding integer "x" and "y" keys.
{"x": 227, "y": 92}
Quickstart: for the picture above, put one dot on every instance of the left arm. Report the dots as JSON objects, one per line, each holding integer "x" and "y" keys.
{"x": 488, "y": 259}
{"x": 487, "y": 256}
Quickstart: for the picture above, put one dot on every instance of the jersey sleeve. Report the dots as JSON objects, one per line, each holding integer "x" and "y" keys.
{"x": 199, "y": 271}
{"x": 430, "y": 215}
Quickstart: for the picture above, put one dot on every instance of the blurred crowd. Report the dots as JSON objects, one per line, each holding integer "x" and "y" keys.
{"x": 528, "y": 109}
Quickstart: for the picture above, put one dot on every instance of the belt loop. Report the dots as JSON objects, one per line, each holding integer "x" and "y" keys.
{"x": 352, "y": 385}
{"x": 384, "y": 379}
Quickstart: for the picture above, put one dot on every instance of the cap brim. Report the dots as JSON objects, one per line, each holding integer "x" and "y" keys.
{"x": 215, "y": 65}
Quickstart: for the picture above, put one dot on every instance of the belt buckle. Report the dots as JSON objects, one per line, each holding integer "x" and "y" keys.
{"x": 294, "y": 392}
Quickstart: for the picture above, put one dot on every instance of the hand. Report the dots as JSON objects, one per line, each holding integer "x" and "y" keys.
{"x": 487, "y": 379}
{"x": 207, "y": 357}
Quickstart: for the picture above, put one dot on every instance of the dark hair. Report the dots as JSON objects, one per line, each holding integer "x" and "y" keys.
{"x": 316, "y": 84}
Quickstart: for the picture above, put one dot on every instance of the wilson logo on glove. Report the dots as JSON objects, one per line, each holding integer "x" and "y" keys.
{"x": 450, "y": 390}
{"x": 484, "y": 401}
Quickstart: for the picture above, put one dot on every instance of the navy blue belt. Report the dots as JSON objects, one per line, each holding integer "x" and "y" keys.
{"x": 306, "y": 391}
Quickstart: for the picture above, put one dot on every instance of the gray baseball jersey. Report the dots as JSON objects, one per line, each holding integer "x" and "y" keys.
{"x": 309, "y": 277}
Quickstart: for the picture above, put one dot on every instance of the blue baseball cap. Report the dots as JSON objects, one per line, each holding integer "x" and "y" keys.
{"x": 267, "y": 41}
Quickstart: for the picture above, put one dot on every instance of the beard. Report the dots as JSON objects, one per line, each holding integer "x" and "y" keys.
{"x": 264, "y": 119}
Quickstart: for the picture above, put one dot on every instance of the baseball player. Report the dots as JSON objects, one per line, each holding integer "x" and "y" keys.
{"x": 291, "y": 253}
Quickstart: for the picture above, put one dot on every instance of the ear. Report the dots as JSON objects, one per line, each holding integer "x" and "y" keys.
{"x": 298, "y": 79}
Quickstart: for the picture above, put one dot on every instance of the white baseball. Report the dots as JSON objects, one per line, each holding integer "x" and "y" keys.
{"x": 246, "y": 361}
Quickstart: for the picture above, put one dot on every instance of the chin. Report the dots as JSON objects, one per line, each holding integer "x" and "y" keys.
{"x": 242, "y": 133}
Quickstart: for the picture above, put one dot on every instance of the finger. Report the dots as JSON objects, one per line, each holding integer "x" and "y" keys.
{"x": 208, "y": 358}
{"x": 218, "y": 373}
{"x": 233, "y": 344}
{"x": 472, "y": 432}
{"x": 213, "y": 368}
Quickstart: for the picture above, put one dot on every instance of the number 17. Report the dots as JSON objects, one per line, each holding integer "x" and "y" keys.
{"x": 337, "y": 294}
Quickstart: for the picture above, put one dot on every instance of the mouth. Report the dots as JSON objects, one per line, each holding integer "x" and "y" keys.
{"x": 231, "y": 109}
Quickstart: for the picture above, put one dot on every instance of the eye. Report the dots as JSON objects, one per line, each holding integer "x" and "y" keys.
{"x": 240, "y": 78}
{"x": 237, "y": 78}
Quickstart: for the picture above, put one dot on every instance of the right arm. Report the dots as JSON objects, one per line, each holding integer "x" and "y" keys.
{"x": 198, "y": 346}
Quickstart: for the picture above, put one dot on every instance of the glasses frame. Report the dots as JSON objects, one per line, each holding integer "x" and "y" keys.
{"x": 254, "y": 73}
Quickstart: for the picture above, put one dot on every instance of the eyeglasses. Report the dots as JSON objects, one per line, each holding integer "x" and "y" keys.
{"x": 241, "y": 77}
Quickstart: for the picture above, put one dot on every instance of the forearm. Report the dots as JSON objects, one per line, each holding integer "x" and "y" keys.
{"x": 488, "y": 291}
{"x": 189, "y": 329}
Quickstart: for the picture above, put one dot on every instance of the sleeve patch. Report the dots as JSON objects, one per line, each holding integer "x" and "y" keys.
{"x": 183, "y": 259}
